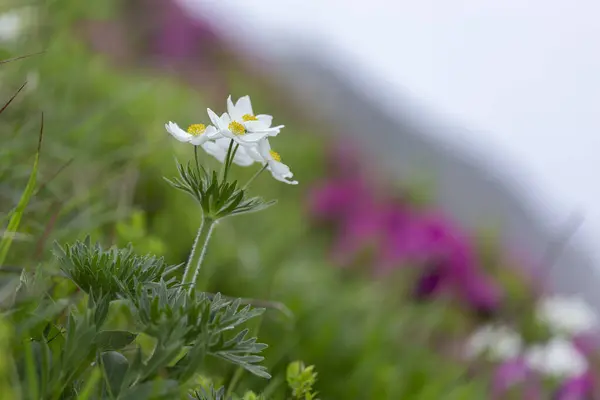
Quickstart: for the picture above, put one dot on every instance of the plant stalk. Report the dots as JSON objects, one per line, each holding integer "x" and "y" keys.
{"x": 247, "y": 185}
{"x": 197, "y": 255}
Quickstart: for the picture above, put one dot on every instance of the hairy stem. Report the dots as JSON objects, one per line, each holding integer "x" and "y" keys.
{"x": 247, "y": 185}
{"x": 197, "y": 255}
{"x": 196, "y": 158}
{"x": 226, "y": 162}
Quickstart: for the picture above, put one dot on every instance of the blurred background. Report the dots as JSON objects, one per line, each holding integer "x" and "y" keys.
{"x": 446, "y": 156}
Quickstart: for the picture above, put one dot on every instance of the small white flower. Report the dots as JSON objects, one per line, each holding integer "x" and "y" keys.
{"x": 235, "y": 130}
{"x": 196, "y": 134}
{"x": 499, "y": 342}
{"x": 242, "y": 112}
{"x": 558, "y": 358}
{"x": 567, "y": 315}
{"x": 264, "y": 154}
{"x": 218, "y": 149}
{"x": 11, "y": 26}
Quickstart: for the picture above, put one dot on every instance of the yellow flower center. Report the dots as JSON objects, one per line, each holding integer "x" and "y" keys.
{"x": 237, "y": 128}
{"x": 275, "y": 155}
{"x": 196, "y": 129}
{"x": 248, "y": 117}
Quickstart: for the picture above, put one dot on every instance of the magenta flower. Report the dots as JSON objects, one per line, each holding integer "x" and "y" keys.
{"x": 398, "y": 236}
{"x": 587, "y": 343}
{"x": 578, "y": 388}
{"x": 432, "y": 241}
{"x": 515, "y": 375}
{"x": 431, "y": 282}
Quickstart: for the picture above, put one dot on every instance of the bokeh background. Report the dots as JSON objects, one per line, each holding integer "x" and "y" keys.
{"x": 408, "y": 232}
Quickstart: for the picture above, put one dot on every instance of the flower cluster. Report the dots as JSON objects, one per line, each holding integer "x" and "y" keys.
{"x": 398, "y": 235}
{"x": 563, "y": 357}
{"x": 238, "y": 132}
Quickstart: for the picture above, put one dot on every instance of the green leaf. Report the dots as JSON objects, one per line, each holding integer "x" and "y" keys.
{"x": 115, "y": 368}
{"x": 15, "y": 219}
{"x": 114, "y": 340}
{"x": 30, "y": 371}
{"x": 152, "y": 390}
{"x": 91, "y": 383}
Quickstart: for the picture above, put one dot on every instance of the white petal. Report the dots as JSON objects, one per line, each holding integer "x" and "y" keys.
{"x": 177, "y": 132}
{"x": 253, "y": 153}
{"x": 199, "y": 139}
{"x": 226, "y": 119}
{"x": 250, "y": 138}
{"x": 219, "y": 148}
{"x": 280, "y": 168}
{"x": 267, "y": 120}
{"x": 500, "y": 342}
{"x": 264, "y": 149}
{"x": 214, "y": 150}
{"x": 558, "y": 358}
{"x": 258, "y": 126}
{"x": 216, "y": 121}
{"x": 241, "y": 158}
{"x": 224, "y": 143}
{"x": 567, "y": 315}
{"x": 233, "y": 111}
{"x": 212, "y": 133}
{"x": 284, "y": 179}
{"x": 228, "y": 134}
{"x": 244, "y": 106}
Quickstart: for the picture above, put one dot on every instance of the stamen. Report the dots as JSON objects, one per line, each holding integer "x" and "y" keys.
{"x": 275, "y": 155}
{"x": 237, "y": 128}
{"x": 196, "y": 129}
{"x": 248, "y": 117}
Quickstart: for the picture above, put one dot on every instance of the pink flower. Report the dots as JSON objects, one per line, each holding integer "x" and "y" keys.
{"x": 587, "y": 343}
{"x": 578, "y": 388}
{"x": 515, "y": 375}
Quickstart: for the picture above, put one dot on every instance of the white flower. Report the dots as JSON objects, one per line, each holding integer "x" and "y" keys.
{"x": 218, "y": 149}
{"x": 567, "y": 315}
{"x": 242, "y": 112}
{"x": 235, "y": 130}
{"x": 11, "y": 26}
{"x": 196, "y": 134}
{"x": 265, "y": 155}
{"x": 499, "y": 342}
{"x": 558, "y": 358}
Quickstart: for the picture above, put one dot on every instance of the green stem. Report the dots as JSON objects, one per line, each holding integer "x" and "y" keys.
{"x": 226, "y": 162}
{"x": 196, "y": 158}
{"x": 197, "y": 255}
{"x": 247, "y": 185}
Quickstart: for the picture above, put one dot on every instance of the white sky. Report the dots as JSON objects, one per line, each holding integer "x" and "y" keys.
{"x": 523, "y": 75}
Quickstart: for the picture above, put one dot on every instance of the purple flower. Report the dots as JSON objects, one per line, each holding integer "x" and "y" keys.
{"x": 587, "y": 343}
{"x": 578, "y": 388}
{"x": 430, "y": 282}
{"x": 431, "y": 240}
{"x": 515, "y": 375}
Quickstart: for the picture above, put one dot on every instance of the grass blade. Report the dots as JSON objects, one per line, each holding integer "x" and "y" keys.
{"x": 12, "y": 98}
{"x": 19, "y": 57}
{"x": 15, "y": 219}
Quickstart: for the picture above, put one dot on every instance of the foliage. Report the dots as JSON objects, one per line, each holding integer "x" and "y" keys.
{"x": 102, "y": 321}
